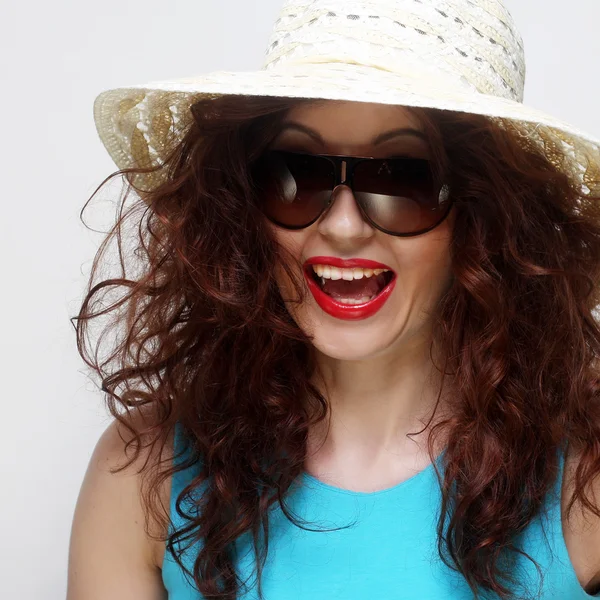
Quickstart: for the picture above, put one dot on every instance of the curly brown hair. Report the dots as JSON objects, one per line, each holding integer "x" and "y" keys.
{"x": 207, "y": 342}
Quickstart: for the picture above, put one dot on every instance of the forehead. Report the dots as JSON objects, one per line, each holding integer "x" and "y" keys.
{"x": 351, "y": 127}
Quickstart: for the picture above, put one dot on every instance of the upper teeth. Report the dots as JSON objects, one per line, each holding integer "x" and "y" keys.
{"x": 329, "y": 272}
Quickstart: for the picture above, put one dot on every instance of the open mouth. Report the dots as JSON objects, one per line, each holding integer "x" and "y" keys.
{"x": 364, "y": 287}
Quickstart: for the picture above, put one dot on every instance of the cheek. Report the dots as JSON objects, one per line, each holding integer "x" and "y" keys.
{"x": 426, "y": 261}
{"x": 291, "y": 249}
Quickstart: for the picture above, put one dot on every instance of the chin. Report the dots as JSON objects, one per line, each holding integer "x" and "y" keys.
{"x": 346, "y": 340}
{"x": 344, "y": 352}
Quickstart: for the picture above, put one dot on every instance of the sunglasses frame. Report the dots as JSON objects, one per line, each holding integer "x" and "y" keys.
{"x": 344, "y": 167}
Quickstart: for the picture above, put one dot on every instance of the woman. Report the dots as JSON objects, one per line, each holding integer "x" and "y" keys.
{"x": 360, "y": 352}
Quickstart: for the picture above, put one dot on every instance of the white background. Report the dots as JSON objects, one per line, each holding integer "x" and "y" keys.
{"x": 55, "y": 57}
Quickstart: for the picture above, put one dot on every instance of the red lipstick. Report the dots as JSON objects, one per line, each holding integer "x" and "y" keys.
{"x": 351, "y": 312}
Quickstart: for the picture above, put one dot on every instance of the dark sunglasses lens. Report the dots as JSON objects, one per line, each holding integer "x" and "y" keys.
{"x": 293, "y": 188}
{"x": 400, "y": 194}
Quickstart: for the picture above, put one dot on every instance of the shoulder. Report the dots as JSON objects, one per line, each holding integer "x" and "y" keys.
{"x": 149, "y": 459}
{"x": 582, "y": 530}
{"x": 117, "y": 496}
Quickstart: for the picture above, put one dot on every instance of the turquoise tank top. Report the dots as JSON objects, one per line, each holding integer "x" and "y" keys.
{"x": 389, "y": 551}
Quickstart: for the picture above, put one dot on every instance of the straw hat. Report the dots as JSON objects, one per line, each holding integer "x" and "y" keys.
{"x": 462, "y": 55}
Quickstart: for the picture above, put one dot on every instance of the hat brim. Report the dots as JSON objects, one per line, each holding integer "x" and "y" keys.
{"x": 137, "y": 124}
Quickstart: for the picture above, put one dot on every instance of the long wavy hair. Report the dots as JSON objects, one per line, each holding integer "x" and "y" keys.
{"x": 203, "y": 339}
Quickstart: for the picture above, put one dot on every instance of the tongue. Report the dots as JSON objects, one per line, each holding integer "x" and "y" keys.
{"x": 355, "y": 289}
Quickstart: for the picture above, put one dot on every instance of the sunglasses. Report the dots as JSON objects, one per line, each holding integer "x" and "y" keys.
{"x": 399, "y": 196}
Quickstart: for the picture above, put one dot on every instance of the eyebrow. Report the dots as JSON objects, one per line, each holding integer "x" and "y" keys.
{"x": 382, "y": 137}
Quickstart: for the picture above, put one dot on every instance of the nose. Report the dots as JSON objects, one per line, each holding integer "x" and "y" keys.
{"x": 343, "y": 220}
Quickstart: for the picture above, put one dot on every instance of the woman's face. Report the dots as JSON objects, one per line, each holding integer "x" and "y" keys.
{"x": 421, "y": 263}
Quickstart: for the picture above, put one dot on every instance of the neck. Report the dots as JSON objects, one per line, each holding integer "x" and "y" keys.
{"x": 374, "y": 403}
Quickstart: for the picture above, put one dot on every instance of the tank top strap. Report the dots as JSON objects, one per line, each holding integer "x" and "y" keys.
{"x": 560, "y": 571}
{"x": 178, "y": 481}
{"x": 181, "y": 453}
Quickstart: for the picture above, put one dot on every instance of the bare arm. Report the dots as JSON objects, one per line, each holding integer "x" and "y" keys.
{"x": 110, "y": 555}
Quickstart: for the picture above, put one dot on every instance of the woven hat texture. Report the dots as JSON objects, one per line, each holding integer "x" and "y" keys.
{"x": 463, "y": 55}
